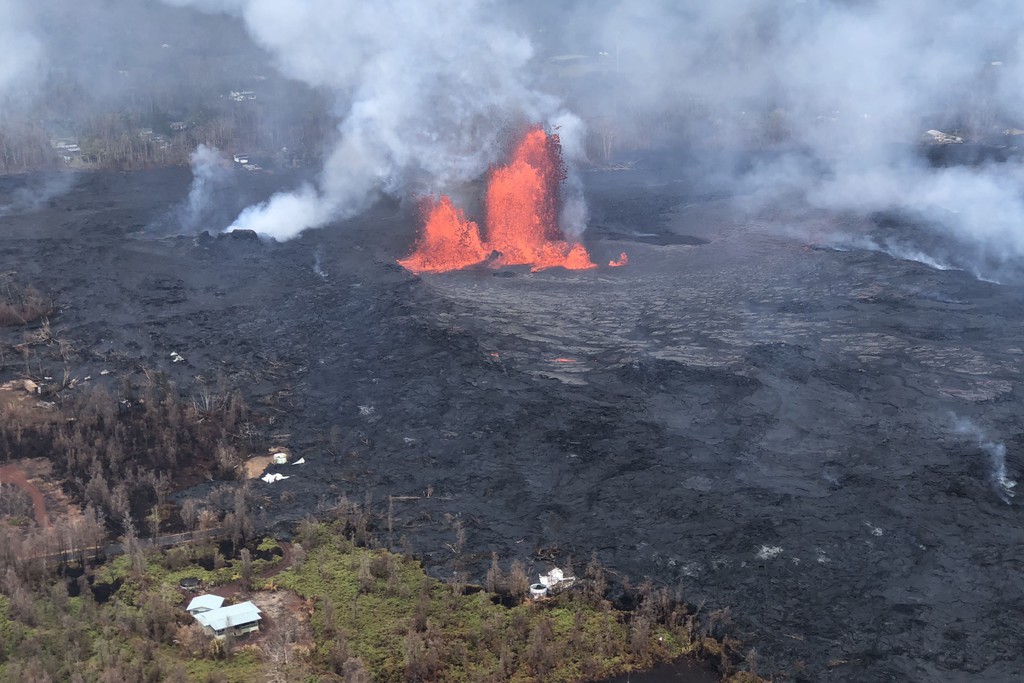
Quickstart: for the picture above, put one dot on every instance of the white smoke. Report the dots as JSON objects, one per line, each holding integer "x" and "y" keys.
{"x": 37, "y": 192}
{"x": 572, "y": 134}
{"x": 424, "y": 91}
{"x": 895, "y": 249}
{"x": 210, "y": 170}
{"x": 853, "y": 85}
{"x": 21, "y": 50}
{"x": 996, "y": 451}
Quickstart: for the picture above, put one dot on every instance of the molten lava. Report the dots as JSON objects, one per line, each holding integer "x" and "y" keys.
{"x": 522, "y": 218}
{"x": 621, "y": 261}
{"x": 522, "y": 207}
{"x": 449, "y": 241}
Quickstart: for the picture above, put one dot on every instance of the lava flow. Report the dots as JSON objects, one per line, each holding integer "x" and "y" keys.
{"x": 619, "y": 262}
{"x": 522, "y": 218}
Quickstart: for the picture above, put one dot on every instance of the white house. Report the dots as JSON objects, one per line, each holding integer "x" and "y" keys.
{"x": 235, "y": 619}
{"x": 204, "y": 603}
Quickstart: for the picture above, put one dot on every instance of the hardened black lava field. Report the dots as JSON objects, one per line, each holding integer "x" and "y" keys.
{"x": 822, "y": 439}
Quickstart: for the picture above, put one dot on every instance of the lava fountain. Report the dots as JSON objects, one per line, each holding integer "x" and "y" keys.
{"x": 449, "y": 241}
{"x": 522, "y": 208}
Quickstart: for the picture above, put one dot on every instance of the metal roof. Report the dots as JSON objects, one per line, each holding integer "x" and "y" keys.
{"x": 205, "y": 602}
{"x": 232, "y": 615}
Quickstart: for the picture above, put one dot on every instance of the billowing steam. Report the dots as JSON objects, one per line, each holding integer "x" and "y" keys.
{"x": 996, "y": 451}
{"x": 210, "y": 171}
{"x": 851, "y": 88}
{"x": 424, "y": 90}
{"x": 843, "y": 93}
{"x": 205, "y": 208}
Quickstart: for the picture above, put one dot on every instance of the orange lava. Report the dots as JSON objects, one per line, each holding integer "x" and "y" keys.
{"x": 522, "y": 218}
{"x": 621, "y": 261}
{"x": 449, "y": 241}
{"x": 565, "y": 360}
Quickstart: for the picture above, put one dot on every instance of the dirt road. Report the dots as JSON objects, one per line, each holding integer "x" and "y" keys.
{"x": 12, "y": 474}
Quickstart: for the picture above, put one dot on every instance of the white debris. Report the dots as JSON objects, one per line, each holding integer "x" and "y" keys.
{"x": 271, "y": 478}
{"x": 940, "y": 138}
{"x": 177, "y": 357}
{"x": 691, "y": 569}
{"x": 769, "y": 552}
{"x": 300, "y": 461}
{"x": 280, "y": 458}
{"x": 366, "y": 410}
{"x": 556, "y": 577}
{"x": 875, "y": 530}
{"x": 104, "y": 372}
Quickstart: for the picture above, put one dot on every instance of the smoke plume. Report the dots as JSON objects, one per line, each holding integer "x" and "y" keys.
{"x": 824, "y": 103}
{"x": 850, "y": 88}
{"x": 996, "y": 451}
{"x": 37, "y": 191}
{"x": 424, "y": 91}
{"x": 21, "y": 51}
{"x": 210, "y": 171}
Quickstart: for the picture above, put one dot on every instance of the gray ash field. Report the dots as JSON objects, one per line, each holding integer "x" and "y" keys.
{"x": 810, "y": 436}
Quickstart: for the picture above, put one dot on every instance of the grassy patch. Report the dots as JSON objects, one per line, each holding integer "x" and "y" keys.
{"x": 403, "y": 624}
{"x": 362, "y": 610}
{"x": 244, "y": 666}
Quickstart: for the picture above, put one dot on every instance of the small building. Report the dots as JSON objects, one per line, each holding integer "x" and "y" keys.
{"x": 204, "y": 603}
{"x": 280, "y": 458}
{"x": 178, "y": 125}
{"x": 234, "y": 619}
{"x": 68, "y": 148}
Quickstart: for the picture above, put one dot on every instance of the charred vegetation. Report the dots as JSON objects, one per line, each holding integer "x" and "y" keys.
{"x": 123, "y": 455}
{"x": 21, "y": 304}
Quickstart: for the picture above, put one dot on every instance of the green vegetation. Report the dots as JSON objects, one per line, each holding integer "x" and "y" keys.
{"x": 339, "y": 612}
{"x": 140, "y": 634}
{"x": 374, "y": 609}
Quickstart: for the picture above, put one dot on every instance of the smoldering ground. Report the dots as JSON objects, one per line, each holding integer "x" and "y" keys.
{"x": 34, "y": 191}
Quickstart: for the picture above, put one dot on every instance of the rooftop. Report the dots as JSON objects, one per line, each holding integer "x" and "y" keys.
{"x": 232, "y": 615}
{"x": 205, "y": 602}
